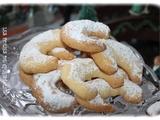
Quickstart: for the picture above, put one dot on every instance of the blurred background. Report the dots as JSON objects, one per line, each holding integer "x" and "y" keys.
{"x": 136, "y": 24}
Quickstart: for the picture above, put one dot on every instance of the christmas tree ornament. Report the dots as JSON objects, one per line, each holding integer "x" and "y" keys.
{"x": 88, "y": 12}
{"x": 136, "y": 10}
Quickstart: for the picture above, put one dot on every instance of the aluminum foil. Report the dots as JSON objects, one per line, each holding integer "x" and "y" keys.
{"x": 16, "y": 99}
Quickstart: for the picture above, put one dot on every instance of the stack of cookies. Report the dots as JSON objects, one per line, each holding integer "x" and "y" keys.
{"x": 105, "y": 68}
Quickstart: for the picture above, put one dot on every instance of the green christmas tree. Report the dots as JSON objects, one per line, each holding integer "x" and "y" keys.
{"x": 88, "y": 12}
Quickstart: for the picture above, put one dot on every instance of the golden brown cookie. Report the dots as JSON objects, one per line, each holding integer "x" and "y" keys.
{"x": 62, "y": 53}
{"x": 130, "y": 91}
{"x": 25, "y": 77}
{"x": 76, "y": 35}
{"x": 105, "y": 60}
{"x": 33, "y": 58}
{"x": 49, "y": 96}
{"x": 97, "y": 104}
{"x": 126, "y": 59}
{"x": 77, "y": 71}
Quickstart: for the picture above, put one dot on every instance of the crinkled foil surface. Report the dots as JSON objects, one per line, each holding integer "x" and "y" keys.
{"x": 16, "y": 99}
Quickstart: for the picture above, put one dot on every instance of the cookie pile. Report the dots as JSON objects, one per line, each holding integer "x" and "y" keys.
{"x": 105, "y": 68}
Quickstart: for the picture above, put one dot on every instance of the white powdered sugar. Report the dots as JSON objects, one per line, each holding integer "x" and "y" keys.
{"x": 154, "y": 109}
{"x": 44, "y": 37}
{"x": 59, "y": 49}
{"x": 132, "y": 89}
{"x": 52, "y": 95}
{"x": 32, "y": 55}
{"x": 82, "y": 67}
{"x": 126, "y": 54}
{"x": 120, "y": 73}
{"x": 108, "y": 53}
{"x": 62, "y": 62}
{"x": 98, "y": 100}
{"x": 32, "y": 52}
{"x": 80, "y": 30}
{"x": 100, "y": 84}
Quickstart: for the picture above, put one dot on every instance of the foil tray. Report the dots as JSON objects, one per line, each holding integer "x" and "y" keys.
{"x": 16, "y": 99}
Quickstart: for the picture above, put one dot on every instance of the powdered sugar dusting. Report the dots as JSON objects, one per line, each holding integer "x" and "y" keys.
{"x": 58, "y": 49}
{"x": 34, "y": 51}
{"x": 32, "y": 54}
{"x": 80, "y": 30}
{"x": 52, "y": 96}
{"x": 82, "y": 67}
{"x": 108, "y": 53}
{"x": 120, "y": 73}
{"x": 44, "y": 37}
{"x": 100, "y": 84}
{"x": 131, "y": 89}
{"x": 98, "y": 100}
{"x": 62, "y": 62}
{"x": 126, "y": 54}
